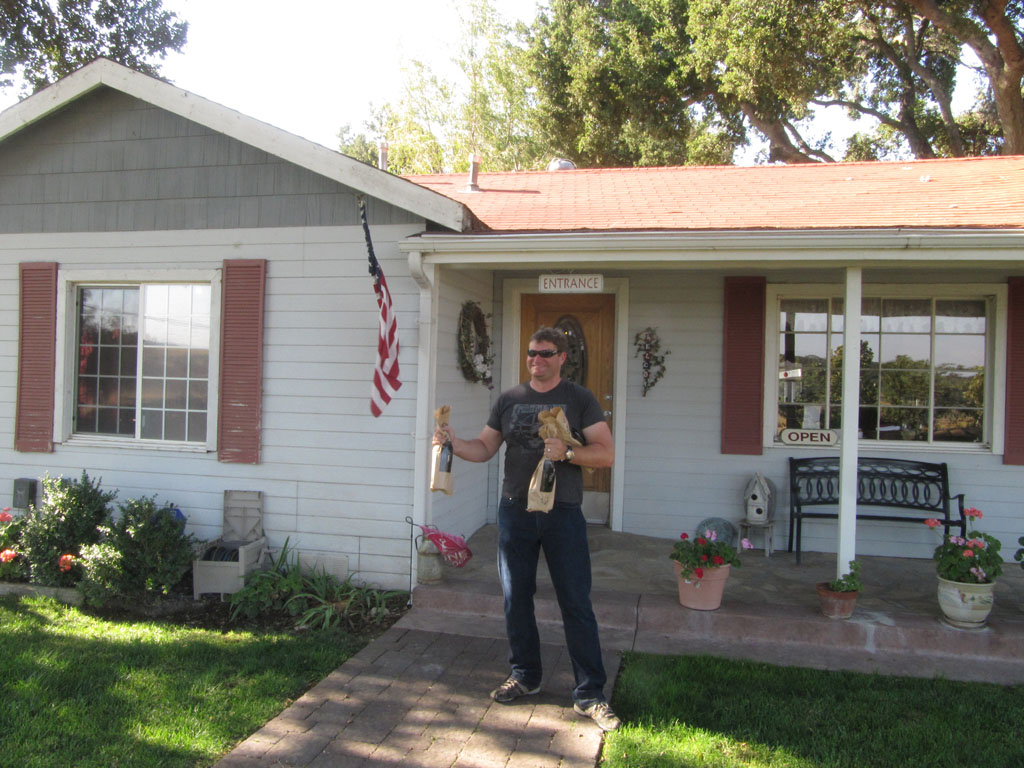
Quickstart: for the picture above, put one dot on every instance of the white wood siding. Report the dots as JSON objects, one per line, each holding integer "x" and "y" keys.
{"x": 335, "y": 480}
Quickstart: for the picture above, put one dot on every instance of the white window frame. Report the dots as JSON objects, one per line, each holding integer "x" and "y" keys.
{"x": 68, "y": 282}
{"x": 995, "y": 394}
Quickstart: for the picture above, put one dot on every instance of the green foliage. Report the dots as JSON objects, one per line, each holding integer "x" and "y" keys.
{"x": 144, "y": 553}
{"x": 330, "y": 602}
{"x": 270, "y": 591}
{"x": 701, "y": 552}
{"x": 68, "y": 520}
{"x": 849, "y": 581}
{"x": 1019, "y": 554}
{"x": 973, "y": 559}
{"x": 13, "y": 565}
{"x": 42, "y": 41}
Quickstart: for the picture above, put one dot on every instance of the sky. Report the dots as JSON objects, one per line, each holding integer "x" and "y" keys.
{"x": 312, "y": 66}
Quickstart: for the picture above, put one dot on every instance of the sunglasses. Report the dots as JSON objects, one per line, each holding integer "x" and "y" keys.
{"x": 545, "y": 353}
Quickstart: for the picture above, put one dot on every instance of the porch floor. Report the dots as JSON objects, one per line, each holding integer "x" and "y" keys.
{"x": 769, "y": 612}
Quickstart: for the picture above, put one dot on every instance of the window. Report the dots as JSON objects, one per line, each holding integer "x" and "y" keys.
{"x": 142, "y": 361}
{"x": 926, "y": 365}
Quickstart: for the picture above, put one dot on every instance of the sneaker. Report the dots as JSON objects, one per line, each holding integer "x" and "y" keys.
{"x": 511, "y": 690}
{"x": 600, "y": 712}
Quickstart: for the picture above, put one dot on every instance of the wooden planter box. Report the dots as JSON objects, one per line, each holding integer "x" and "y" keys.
{"x": 226, "y": 577}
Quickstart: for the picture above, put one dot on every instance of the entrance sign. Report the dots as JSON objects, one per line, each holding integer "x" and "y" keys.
{"x": 828, "y": 437}
{"x": 571, "y": 283}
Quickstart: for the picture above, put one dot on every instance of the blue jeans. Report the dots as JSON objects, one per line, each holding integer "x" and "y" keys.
{"x": 562, "y": 533}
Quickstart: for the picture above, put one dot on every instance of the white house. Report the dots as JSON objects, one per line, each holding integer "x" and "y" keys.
{"x": 128, "y": 204}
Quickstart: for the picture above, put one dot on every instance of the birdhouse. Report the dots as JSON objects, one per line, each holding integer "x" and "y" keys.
{"x": 759, "y": 499}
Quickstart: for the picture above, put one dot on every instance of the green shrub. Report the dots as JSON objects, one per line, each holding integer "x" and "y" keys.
{"x": 68, "y": 520}
{"x": 13, "y": 565}
{"x": 270, "y": 591}
{"x": 143, "y": 553}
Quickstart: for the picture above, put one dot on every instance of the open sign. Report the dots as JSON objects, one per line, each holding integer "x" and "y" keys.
{"x": 827, "y": 437}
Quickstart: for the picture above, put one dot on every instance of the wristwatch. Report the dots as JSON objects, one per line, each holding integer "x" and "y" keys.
{"x": 569, "y": 453}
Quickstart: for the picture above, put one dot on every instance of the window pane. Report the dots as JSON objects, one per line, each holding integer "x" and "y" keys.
{"x": 197, "y": 427}
{"x": 906, "y": 316}
{"x": 197, "y": 395}
{"x": 85, "y": 419}
{"x": 152, "y": 425}
{"x": 804, "y": 315}
{"x": 153, "y": 393}
{"x": 153, "y": 361}
{"x": 129, "y": 361}
{"x": 905, "y": 388}
{"x": 199, "y": 363}
{"x": 959, "y": 389}
{"x": 960, "y": 316}
{"x": 963, "y": 353}
{"x": 958, "y": 426}
{"x": 870, "y": 315}
{"x": 901, "y": 350}
{"x": 107, "y": 422}
{"x": 174, "y": 394}
{"x": 903, "y": 424}
{"x": 174, "y": 425}
{"x": 177, "y": 362}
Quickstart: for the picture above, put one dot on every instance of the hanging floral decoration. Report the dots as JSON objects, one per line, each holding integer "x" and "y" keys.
{"x": 648, "y": 347}
{"x": 475, "y": 356}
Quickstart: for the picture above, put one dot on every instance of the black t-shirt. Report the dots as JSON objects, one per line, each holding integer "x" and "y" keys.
{"x": 515, "y": 416}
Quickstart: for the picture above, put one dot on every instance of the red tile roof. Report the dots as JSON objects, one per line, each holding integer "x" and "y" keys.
{"x": 957, "y": 193}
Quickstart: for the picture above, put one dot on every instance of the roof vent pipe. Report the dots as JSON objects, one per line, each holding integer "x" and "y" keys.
{"x": 382, "y": 156}
{"x": 474, "y": 173}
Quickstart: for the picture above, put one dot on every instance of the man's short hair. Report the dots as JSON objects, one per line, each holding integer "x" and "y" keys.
{"x": 552, "y": 335}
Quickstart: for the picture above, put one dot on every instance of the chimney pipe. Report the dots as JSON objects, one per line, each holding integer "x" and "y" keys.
{"x": 382, "y": 156}
{"x": 474, "y": 172}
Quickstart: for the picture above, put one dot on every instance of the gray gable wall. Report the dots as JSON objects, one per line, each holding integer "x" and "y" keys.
{"x": 109, "y": 162}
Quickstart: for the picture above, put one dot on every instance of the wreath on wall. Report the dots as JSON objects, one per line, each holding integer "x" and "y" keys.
{"x": 648, "y": 347}
{"x": 475, "y": 355}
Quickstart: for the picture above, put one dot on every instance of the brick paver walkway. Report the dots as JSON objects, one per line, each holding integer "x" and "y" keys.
{"x": 418, "y": 698}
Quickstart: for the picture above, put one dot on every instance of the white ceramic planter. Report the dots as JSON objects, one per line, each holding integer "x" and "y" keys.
{"x": 965, "y": 606}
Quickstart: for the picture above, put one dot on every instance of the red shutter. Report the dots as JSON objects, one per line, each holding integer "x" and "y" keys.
{"x": 1013, "y": 448}
{"x": 37, "y": 340}
{"x": 743, "y": 365}
{"x": 241, "y": 361}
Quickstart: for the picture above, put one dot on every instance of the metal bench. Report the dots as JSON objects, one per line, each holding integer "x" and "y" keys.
{"x": 886, "y": 483}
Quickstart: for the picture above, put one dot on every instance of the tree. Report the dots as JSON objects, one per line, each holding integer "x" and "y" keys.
{"x": 614, "y": 86}
{"x": 437, "y": 123}
{"x": 894, "y": 60}
{"x": 42, "y": 41}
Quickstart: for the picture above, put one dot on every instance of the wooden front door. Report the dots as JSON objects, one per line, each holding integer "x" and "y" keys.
{"x": 588, "y": 319}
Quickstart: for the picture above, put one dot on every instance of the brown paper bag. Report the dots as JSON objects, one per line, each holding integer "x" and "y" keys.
{"x": 441, "y": 457}
{"x": 541, "y": 496}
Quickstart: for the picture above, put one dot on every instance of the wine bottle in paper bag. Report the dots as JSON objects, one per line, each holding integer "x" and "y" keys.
{"x": 541, "y": 496}
{"x": 441, "y": 456}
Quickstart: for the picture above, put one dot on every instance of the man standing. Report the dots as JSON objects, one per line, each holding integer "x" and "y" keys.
{"x": 561, "y": 533}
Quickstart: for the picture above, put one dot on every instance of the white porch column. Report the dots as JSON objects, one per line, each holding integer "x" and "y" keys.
{"x": 423, "y": 274}
{"x": 847, "y": 544}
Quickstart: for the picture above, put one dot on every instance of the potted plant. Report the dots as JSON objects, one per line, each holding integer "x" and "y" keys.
{"x": 702, "y": 566}
{"x": 839, "y": 596}
{"x": 967, "y": 568}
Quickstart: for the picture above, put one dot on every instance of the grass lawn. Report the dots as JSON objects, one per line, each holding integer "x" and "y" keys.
{"x": 701, "y": 712}
{"x": 76, "y": 690}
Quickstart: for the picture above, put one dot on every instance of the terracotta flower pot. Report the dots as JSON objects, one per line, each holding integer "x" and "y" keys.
{"x": 965, "y": 606}
{"x": 704, "y": 594}
{"x": 836, "y": 605}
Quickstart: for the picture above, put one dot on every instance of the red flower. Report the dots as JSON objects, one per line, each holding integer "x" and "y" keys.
{"x": 718, "y": 559}
{"x": 702, "y": 541}
{"x": 972, "y": 512}
{"x": 65, "y": 562}
{"x": 931, "y": 522}
{"x": 698, "y": 572}
{"x": 704, "y": 558}
{"x": 684, "y": 536}
{"x": 7, "y": 555}
{"x": 968, "y": 553}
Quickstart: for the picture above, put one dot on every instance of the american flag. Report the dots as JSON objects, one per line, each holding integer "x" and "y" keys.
{"x": 385, "y": 372}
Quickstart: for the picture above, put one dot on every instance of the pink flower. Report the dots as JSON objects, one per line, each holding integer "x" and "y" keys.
{"x": 5, "y": 517}
{"x": 972, "y": 512}
{"x": 7, "y": 555}
{"x": 684, "y": 536}
{"x": 931, "y": 522}
{"x": 713, "y": 535}
{"x": 745, "y": 544}
{"x": 698, "y": 572}
{"x": 65, "y": 562}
